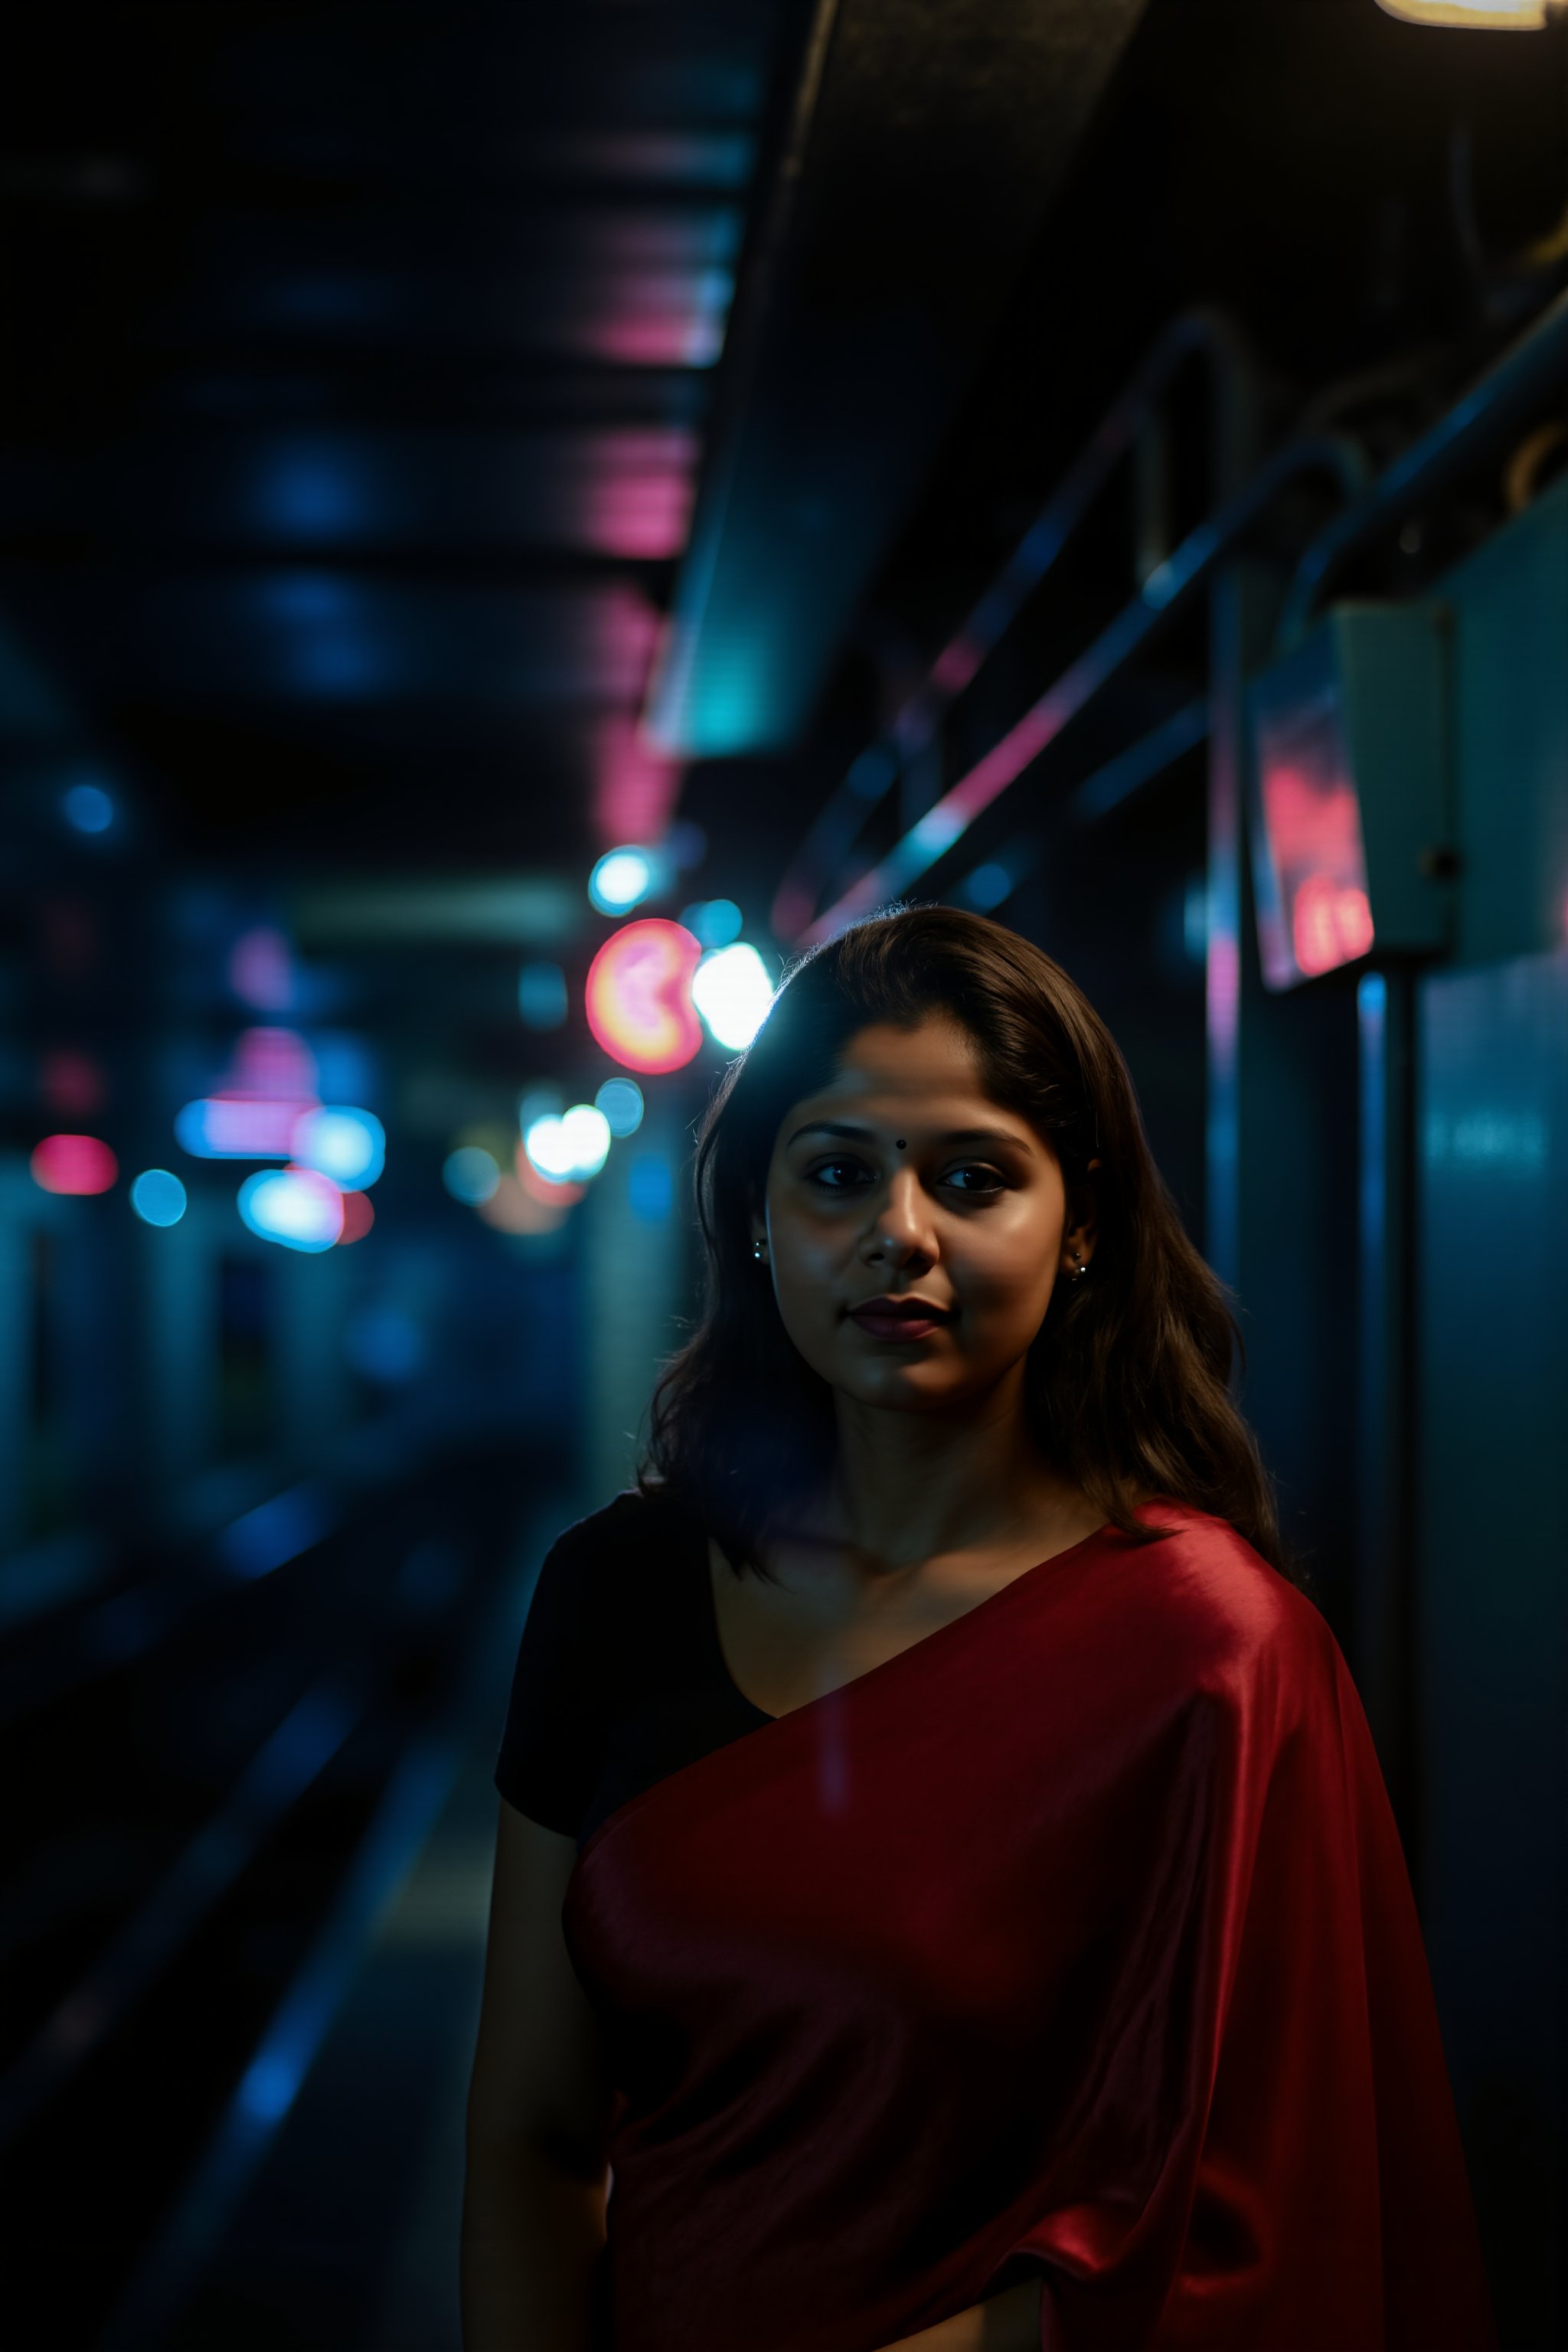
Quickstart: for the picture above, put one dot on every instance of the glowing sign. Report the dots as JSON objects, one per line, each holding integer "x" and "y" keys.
{"x": 639, "y": 997}
{"x": 1314, "y": 905}
{"x": 296, "y": 1206}
{"x": 1330, "y": 924}
{"x": 73, "y": 1164}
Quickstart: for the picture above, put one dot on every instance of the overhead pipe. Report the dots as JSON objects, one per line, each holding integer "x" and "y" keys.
{"x": 1506, "y": 397}
{"x": 1198, "y": 333}
{"x": 1164, "y": 595}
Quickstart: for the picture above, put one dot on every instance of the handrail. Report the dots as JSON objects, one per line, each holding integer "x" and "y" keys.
{"x": 1503, "y": 398}
{"x": 1164, "y": 593}
{"x": 1197, "y": 332}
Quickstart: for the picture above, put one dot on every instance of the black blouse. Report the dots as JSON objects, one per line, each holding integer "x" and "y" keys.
{"x": 620, "y": 1677}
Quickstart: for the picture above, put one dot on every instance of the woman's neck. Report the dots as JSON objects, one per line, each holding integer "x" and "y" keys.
{"x": 910, "y": 1487}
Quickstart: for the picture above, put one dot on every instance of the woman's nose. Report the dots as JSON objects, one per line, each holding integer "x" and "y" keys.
{"x": 901, "y": 1227}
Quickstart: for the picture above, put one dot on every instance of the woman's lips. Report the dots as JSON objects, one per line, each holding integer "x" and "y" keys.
{"x": 879, "y": 1321}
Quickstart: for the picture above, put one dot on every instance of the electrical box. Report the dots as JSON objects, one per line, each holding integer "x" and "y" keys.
{"x": 1348, "y": 771}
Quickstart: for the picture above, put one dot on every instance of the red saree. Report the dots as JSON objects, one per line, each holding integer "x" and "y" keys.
{"x": 1076, "y": 1939}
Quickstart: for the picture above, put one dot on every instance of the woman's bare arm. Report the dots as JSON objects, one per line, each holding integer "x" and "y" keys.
{"x": 1005, "y": 2322}
{"x": 539, "y": 2110}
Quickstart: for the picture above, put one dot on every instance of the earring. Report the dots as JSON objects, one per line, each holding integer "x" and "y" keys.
{"x": 1078, "y": 1268}
{"x": 759, "y": 1251}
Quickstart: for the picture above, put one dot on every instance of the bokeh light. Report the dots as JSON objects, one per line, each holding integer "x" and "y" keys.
{"x": 715, "y": 922}
{"x": 621, "y": 1102}
{"x": 261, "y": 970}
{"x": 298, "y": 1207}
{"x": 88, "y": 809}
{"x": 622, "y": 879}
{"x": 639, "y": 996}
{"x": 78, "y": 1165}
{"x": 348, "y": 1145}
{"x": 571, "y": 1148}
{"x": 732, "y": 991}
{"x": 470, "y": 1174}
{"x": 515, "y": 1207}
{"x": 358, "y": 1215}
{"x": 158, "y": 1197}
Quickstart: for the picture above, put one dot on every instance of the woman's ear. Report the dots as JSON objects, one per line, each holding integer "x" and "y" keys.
{"x": 1082, "y": 1227}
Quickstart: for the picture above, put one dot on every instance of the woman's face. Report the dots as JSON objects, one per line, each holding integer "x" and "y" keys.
{"x": 915, "y": 1229}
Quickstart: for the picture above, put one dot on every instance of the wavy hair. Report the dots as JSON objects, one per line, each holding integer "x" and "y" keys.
{"x": 1128, "y": 1383}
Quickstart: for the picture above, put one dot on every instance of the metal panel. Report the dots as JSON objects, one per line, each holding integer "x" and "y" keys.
{"x": 1492, "y": 1548}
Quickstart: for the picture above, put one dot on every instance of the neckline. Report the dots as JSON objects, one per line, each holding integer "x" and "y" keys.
{"x": 1025, "y": 1576}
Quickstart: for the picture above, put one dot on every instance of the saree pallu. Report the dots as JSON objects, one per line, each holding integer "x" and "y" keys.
{"x": 1074, "y": 1941}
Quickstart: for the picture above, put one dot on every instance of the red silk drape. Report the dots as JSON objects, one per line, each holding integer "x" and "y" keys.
{"x": 1075, "y": 1939}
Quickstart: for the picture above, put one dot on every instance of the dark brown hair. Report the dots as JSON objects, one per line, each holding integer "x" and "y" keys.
{"x": 1128, "y": 1383}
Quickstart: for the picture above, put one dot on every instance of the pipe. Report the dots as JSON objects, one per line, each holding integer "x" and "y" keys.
{"x": 1208, "y": 333}
{"x": 1530, "y": 371}
{"x": 1164, "y": 595}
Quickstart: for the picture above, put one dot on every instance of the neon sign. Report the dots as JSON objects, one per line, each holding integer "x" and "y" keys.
{"x": 639, "y": 998}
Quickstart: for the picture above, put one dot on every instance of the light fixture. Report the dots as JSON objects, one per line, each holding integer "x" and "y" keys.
{"x": 1475, "y": 16}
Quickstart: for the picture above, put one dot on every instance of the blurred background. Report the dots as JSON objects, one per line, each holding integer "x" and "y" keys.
{"x": 514, "y": 520}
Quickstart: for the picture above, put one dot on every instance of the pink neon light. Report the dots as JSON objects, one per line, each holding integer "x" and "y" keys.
{"x": 1313, "y": 822}
{"x": 73, "y": 1164}
{"x": 634, "y": 498}
{"x": 638, "y": 997}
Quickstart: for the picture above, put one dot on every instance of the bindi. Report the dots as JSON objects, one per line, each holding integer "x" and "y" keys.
{"x": 899, "y": 1143}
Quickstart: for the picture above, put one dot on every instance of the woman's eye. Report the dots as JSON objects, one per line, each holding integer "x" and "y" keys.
{"x": 973, "y": 1181}
{"x": 838, "y": 1175}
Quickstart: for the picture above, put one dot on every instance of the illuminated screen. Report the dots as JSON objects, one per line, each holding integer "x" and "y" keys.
{"x": 1313, "y": 909}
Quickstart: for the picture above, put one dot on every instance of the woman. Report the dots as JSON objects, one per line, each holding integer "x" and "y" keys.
{"x": 944, "y": 1888}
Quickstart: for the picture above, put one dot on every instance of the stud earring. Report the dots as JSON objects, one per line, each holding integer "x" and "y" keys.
{"x": 759, "y": 1251}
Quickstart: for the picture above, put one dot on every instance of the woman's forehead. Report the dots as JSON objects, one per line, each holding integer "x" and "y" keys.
{"x": 928, "y": 1077}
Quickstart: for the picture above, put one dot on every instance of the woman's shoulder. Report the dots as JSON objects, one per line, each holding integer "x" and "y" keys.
{"x": 620, "y": 1536}
{"x": 1206, "y": 1577}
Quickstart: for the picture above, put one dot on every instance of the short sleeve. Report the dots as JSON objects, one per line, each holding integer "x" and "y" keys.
{"x": 552, "y": 1749}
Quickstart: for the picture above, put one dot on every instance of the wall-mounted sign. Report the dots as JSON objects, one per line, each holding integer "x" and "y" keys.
{"x": 1348, "y": 804}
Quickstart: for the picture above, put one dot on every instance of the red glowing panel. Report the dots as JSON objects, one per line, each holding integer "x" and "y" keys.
{"x": 1329, "y": 925}
{"x": 639, "y": 997}
{"x": 1315, "y": 909}
{"x": 74, "y": 1163}
{"x": 358, "y": 1217}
